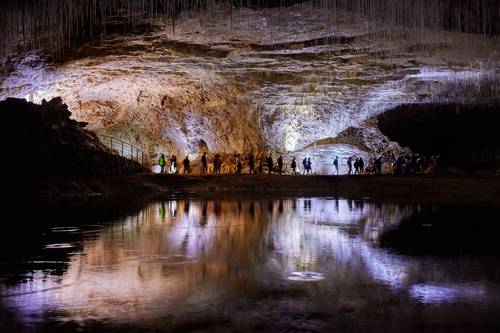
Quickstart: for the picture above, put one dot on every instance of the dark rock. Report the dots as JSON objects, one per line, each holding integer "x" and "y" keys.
{"x": 42, "y": 141}
{"x": 466, "y": 136}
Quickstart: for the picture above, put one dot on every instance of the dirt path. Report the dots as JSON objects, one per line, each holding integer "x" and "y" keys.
{"x": 477, "y": 188}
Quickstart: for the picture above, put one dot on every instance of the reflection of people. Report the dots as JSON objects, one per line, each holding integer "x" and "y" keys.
{"x": 204, "y": 207}
{"x": 162, "y": 210}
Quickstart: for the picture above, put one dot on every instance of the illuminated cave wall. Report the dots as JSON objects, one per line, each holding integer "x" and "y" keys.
{"x": 282, "y": 79}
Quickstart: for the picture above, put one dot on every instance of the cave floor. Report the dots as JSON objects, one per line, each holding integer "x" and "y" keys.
{"x": 418, "y": 188}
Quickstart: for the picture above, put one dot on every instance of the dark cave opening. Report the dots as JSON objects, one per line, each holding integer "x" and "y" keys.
{"x": 466, "y": 136}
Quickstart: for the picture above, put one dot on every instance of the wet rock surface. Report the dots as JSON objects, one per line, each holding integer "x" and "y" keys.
{"x": 41, "y": 141}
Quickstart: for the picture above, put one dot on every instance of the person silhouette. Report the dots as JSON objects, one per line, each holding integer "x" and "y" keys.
{"x": 162, "y": 162}
{"x": 336, "y": 165}
{"x": 186, "y": 163}
{"x": 293, "y": 166}
{"x": 280, "y": 165}
{"x": 270, "y": 164}
{"x": 204, "y": 164}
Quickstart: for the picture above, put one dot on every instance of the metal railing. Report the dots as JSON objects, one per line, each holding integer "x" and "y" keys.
{"x": 124, "y": 149}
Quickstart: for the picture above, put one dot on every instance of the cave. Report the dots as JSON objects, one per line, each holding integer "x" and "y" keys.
{"x": 249, "y": 165}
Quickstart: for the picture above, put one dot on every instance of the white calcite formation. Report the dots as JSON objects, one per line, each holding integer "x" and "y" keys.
{"x": 258, "y": 81}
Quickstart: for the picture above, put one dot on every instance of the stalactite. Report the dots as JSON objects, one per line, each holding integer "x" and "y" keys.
{"x": 56, "y": 25}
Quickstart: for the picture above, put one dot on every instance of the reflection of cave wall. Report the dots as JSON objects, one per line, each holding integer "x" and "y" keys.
{"x": 466, "y": 136}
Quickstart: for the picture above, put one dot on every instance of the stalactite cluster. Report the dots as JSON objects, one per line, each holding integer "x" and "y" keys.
{"x": 56, "y": 25}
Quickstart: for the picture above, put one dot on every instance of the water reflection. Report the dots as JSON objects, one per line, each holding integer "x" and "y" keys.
{"x": 194, "y": 260}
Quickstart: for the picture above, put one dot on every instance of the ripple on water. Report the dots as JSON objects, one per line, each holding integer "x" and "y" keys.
{"x": 169, "y": 260}
{"x": 305, "y": 276}
{"x": 60, "y": 246}
{"x": 65, "y": 229}
{"x": 86, "y": 229}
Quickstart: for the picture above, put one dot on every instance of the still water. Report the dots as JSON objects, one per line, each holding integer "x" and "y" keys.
{"x": 306, "y": 265}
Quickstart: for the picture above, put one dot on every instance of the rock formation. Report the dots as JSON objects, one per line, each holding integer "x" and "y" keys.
{"x": 40, "y": 141}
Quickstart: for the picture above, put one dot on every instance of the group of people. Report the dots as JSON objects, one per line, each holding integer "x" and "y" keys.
{"x": 404, "y": 165}
{"x": 411, "y": 164}
{"x": 162, "y": 162}
{"x": 374, "y": 166}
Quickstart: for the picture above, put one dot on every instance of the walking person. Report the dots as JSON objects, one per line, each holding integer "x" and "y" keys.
{"x": 336, "y": 165}
{"x": 378, "y": 166}
{"x": 217, "y": 164}
{"x": 349, "y": 165}
{"x": 270, "y": 163}
{"x": 204, "y": 164}
{"x": 356, "y": 166}
{"x": 398, "y": 166}
{"x": 280, "y": 165}
{"x": 173, "y": 164}
{"x": 361, "y": 165}
{"x": 304, "y": 166}
{"x": 186, "y": 163}
{"x": 162, "y": 163}
{"x": 309, "y": 166}
{"x": 293, "y": 166}
{"x": 251, "y": 163}
{"x": 239, "y": 166}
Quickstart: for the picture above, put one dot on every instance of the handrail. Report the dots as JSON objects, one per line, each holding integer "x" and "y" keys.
{"x": 124, "y": 149}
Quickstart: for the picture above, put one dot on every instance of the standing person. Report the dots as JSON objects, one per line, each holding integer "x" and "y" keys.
{"x": 214, "y": 163}
{"x": 217, "y": 163}
{"x": 162, "y": 163}
{"x": 270, "y": 163}
{"x": 361, "y": 165}
{"x": 309, "y": 167}
{"x": 349, "y": 165}
{"x": 261, "y": 164}
{"x": 186, "y": 165}
{"x": 378, "y": 166}
{"x": 293, "y": 166}
{"x": 356, "y": 166}
{"x": 204, "y": 163}
{"x": 280, "y": 165}
{"x": 413, "y": 164}
{"x": 304, "y": 166}
{"x": 173, "y": 164}
{"x": 239, "y": 166}
{"x": 250, "y": 163}
{"x": 398, "y": 166}
{"x": 336, "y": 165}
